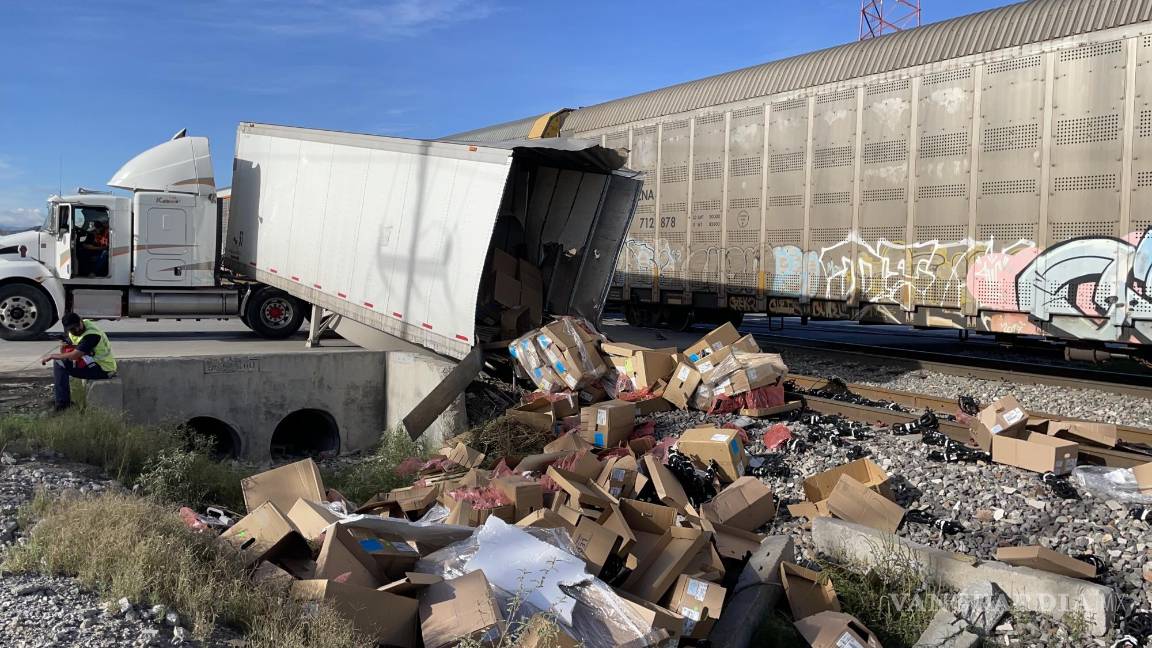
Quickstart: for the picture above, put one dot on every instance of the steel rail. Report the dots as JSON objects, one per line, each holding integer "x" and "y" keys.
{"x": 956, "y": 431}
{"x": 994, "y": 369}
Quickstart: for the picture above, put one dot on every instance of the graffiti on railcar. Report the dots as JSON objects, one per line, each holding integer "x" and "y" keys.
{"x": 1091, "y": 287}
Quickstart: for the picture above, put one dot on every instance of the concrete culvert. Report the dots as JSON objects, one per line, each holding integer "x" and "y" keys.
{"x": 223, "y": 439}
{"x": 306, "y": 433}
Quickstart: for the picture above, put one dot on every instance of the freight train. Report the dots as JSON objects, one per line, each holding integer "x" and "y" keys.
{"x": 991, "y": 173}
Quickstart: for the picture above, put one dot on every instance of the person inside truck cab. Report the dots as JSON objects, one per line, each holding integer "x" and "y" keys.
{"x": 95, "y": 250}
{"x": 85, "y": 353}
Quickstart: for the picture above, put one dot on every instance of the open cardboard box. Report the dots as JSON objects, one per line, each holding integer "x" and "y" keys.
{"x": 341, "y": 557}
{"x": 836, "y": 630}
{"x": 655, "y": 616}
{"x": 1035, "y": 451}
{"x": 385, "y": 617}
{"x": 1005, "y": 416}
{"x": 284, "y": 485}
{"x": 658, "y": 570}
{"x": 583, "y": 491}
{"x": 544, "y": 414}
{"x": 716, "y": 339}
{"x": 852, "y": 501}
{"x": 807, "y": 591}
{"x": 818, "y": 487}
{"x": 667, "y": 487}
{"x": 1102, "y": 434}
{"x": 527, "y": 495}
{"x": 311, "y": 518}
{"x": 746, "y": 503}
{"x": 1143, "y": 475}
{"x": 266, "y": 533}
{"x": 459, "y": 608}
{"x": 1038, "y": 557}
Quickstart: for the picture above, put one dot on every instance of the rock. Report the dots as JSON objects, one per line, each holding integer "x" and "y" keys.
{"x": 148, "y": 637}
{"x": 172, "y": 619}
{"x": 1114, "y": 505}
{"x": 87, "y": 623}
{"x": 947, "y": 631}
{"x": 125, "y": 605}
{"x": 179, "y": 635}
{"x": 982, "y": 605}
{"x": 29, "y": 590}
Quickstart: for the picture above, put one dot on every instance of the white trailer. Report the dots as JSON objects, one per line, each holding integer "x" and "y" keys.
{"x": 395, "y": 233}
{"x": 390, "y": 233}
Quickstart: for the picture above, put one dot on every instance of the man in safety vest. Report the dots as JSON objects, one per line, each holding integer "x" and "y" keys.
{"x": 85, "y": 353}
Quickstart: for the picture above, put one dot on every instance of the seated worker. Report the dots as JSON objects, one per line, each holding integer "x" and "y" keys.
{"x": 95, "y": 248}
{"x": 85, "y": 353}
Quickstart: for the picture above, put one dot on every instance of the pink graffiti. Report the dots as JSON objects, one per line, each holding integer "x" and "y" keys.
{"x": 992, "y": 277}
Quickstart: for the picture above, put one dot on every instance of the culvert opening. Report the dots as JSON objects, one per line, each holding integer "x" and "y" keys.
{"x": 306, "y": 433}
{"x": 222, "y": 440}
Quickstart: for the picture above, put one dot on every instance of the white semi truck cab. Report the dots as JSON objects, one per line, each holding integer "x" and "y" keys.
{"x": 154, "y": 254}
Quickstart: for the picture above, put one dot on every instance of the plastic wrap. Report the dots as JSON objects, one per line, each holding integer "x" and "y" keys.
{"x": 1110, "y": 484}
{"x": 536, "y": 570}
{"x": 435, "y": 515}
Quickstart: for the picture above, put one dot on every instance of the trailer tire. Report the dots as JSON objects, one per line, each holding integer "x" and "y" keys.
{"x": 273, "y": 313}
{"x": 26, "y": 312}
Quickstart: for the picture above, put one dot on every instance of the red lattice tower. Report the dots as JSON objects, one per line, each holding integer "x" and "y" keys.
{"x": 878, "y": 17}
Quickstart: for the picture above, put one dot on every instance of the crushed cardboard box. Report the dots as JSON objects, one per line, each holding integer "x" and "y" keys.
{"x": 387, "y": 618}
{"x": 459, "y": 608}
{"x": 283, "y": 486}
{"x": 1046, "y": 559}
{"x": 836, "y": 630}
{"x": 808, "y": 591}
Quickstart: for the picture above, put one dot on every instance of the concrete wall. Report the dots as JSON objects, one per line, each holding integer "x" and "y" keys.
{"x": 254, "y": 393}
{"x": 412, "y": 375}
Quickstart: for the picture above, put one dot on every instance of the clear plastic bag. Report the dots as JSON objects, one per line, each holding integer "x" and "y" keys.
{"x": 1110, "y": 484}
{"x": 536, "y": 570}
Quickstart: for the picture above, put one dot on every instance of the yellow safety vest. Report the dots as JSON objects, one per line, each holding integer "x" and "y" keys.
{"x": 102, "y": 354}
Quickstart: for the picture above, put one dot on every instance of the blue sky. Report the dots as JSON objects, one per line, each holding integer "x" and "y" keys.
{"x": 87, "y": 84}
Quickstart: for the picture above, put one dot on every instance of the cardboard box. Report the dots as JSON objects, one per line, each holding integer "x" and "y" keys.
{"x": 1103, "y": 434}
{"x": 538, "y": 462}
{"x": 720, "y": 337}
{"x": 542, "y": 632}
{"x": 527, "y": 495}
{"x": 808, "y": 592}
{"x": 650, "y": 367}
{"x": 265, "y": 533}
{"x": 836, "y": 630}
{"x": 655, "y": 616}
{"x": 621, "y": 349}
{"x": 579, "y": 366}
{"x": 613, "y": 520}
{"x": 733, "y": 543}
{"x": 385, "y": 617}
{"x": 462, "y": 455}
{"x": 459, "y": 608}
{"x": 818, "y": 487}
{"x": 1143, "y": 475}
{"x": 544, "y": 414}
{"x": 809, "y": 510}
{"x": 608, "y": 424}
{"x": 655, "y": 403}
{"x": 582, "y": 491}
{"x": 658, "y": 570}
{"x": 532, "y": 292}
{"x": 746, "y": 504}
{"x": 748, "y": 378}
{"x": 569, "y": 442}
{"x": 619, "y": 475}
{"x": 273, "y": 576}
{"x": 699, "y": 602}
{"x": 1036, "y": 452}
{"x": 1005, "y": 416}
{"x": 410, "y": 584}
{"x": 706, "y": 565}
{"x": 545, "y": 519}
{"x": 506, "y": 290}
{"x": 681, "y": 385}
{"x": 1046, "y": 559}
{"x": 504, "y": 263}
{"x": 311, "y": 518}
{"x": 667, "y": 487}
{"x": 855, "y": 502}
{"x": 646, "y": 517}
{"x": 464, "y": 514}
{"x": 515, "y": 322}
{"x": 721, "y": 445}
{"x": 747, "y": 344}
{"x": 342, "y": 554}
{"x": 595, "y": 544}
{"x": 283, "y": 486}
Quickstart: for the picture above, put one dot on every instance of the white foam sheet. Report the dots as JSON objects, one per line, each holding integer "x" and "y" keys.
{"x": 515, "y": 562}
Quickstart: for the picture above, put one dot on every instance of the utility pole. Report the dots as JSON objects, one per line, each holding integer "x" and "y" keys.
{"x": 878, "y": 18}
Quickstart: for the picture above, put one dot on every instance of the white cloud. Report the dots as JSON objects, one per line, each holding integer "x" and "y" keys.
{"x": 20, "y": 218}
{"x": 367, "y": 18}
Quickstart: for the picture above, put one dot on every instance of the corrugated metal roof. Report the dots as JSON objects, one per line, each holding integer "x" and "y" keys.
{"x": 995, "y": 29}
{"x": 507, "y": 131}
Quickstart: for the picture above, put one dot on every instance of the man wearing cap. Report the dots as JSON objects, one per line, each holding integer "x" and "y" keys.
{"x": 85, "y": 353}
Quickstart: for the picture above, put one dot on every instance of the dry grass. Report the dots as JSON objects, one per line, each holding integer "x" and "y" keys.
{"x": 505, "y": 436}
{"x": 376, "y": 472}
{"x": 167, "y": 462}
{"x": 121, "y": 545}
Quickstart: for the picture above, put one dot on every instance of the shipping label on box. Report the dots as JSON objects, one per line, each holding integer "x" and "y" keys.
{"x": 1005, "y": 416}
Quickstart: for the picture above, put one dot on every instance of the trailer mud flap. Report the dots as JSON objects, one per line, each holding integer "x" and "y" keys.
{"x": 444, "y": 394}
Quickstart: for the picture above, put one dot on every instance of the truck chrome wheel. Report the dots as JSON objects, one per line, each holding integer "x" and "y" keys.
{"x": 277, "y": 312}
{"x": 18, "y": 313}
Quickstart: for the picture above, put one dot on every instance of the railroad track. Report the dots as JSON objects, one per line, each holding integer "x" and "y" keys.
{"x": 983, "y": 368}
{"x": 956, "y": 431}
